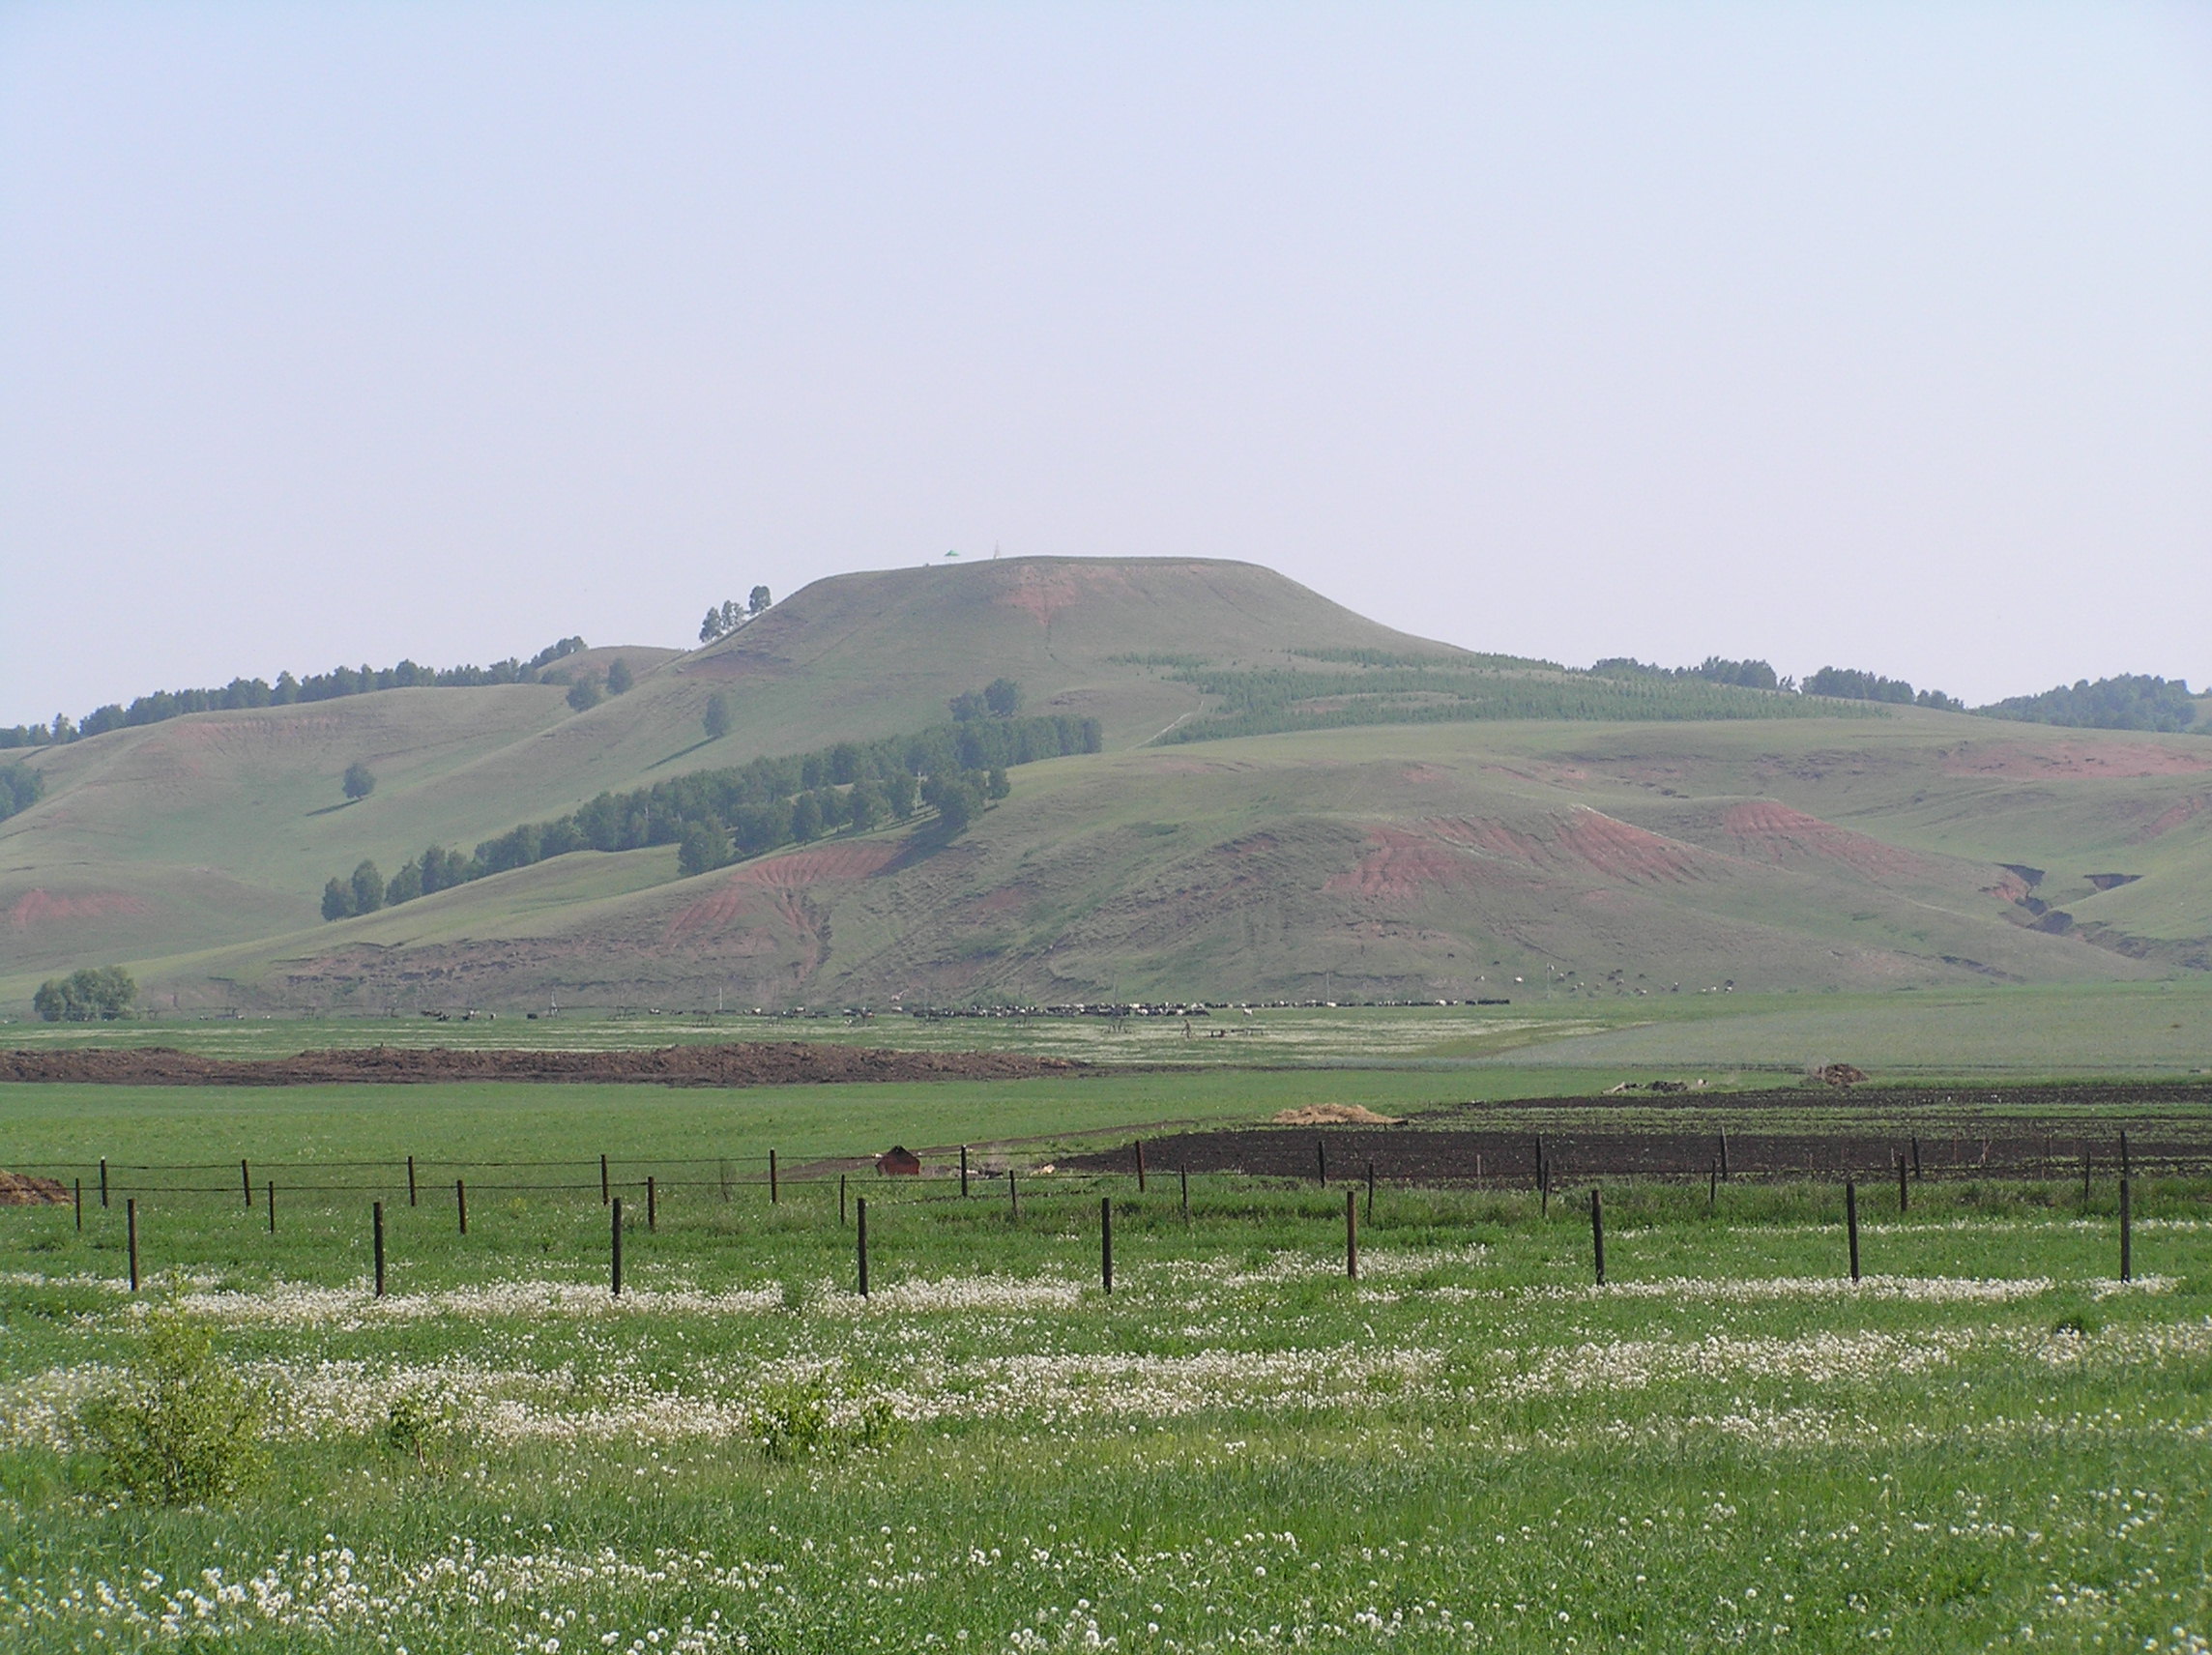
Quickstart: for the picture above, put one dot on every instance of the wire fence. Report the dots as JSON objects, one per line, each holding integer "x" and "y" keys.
{"x": 1483, "y": 1159}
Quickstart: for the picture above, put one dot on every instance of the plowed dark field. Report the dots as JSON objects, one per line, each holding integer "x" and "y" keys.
{"x": 2015, "y": 1133}
{"x": 750, "y": 1064}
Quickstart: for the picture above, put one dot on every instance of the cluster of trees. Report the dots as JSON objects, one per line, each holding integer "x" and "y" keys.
{"x": 89, "y": 996}
{"x": 731, "y": 615}
{"x": 1001, "y": 698}
{"x": 21, "y": 787}
{"x": 717, "y": 816}
{"x": 2131, "y": 701}
{"x": 1847, "y": 683}
{"x": 242, "y": 692}
{"x": 1714, "y": 669}
{"x": 585, "y": 692}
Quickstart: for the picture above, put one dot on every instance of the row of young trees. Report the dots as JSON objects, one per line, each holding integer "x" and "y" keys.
{"x": 731, "y": 615}
{"x": 717, "y": 816}
{"x": 1714, "y": 669}
{"x": 244, "y": 692}
{"x": 96, "y": 994}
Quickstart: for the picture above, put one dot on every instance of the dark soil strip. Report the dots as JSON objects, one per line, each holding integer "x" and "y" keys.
{"x": 764, "y": 1063}
{"x": 1961, "y": 1133}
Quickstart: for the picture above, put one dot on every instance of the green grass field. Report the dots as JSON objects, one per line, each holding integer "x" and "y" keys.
{"x": 1567, "y": 1043}
{"x": 1990, "y": 1443}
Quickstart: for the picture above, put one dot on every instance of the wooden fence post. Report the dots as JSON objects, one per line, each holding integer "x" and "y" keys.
{"x": 130, "y": 1239}
{"x": 864, "y": 1245}
{"x": 1351, "y": 1238}
{"x": 246, "y": 1178}
{"x": 376, "y": 1227}
{"x": 2127, "y": 1234}
{"x": 1140, "y": 1166}
{"x": 103, "y": 1181}
{"x": 1320, "y": 1161}
{"x": 615, "y": 1243}
{"x": 963, "y": 1172}
{"x": 1851, "y": 1221}
{"x": 80, "y": 1205}
{"x": 1106, "y": 1242}
{"x": 774, "y": 1181}
{"x": 606, "y": 1190}
{"x": 269, "y": 1189}
{"x": 1904, "y": 1197}
{"x": 410, "y": 1181}
{"x": 1916, "y": 1156}
{"x": 652, "y": 1202}
{"x": 1597, "y": 1231}
{"x": 461, "y": 1203}
{"x": 1014, "y": 1197}
{"x": 1724, "y": 1152}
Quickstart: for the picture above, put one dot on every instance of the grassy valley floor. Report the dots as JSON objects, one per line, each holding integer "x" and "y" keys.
{"x": 1988, "y": 1442}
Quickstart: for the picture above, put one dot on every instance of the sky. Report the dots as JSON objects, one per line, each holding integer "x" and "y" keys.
{"x": 1864, "y": 333}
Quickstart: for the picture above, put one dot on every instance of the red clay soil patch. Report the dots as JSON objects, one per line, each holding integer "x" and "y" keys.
{"x": 760, "y": 1062}
{"x": 791, "y": 873}
{"x": 1588, "y": 841}
{"x": 2168, "y": 819}
{"x": 1453, "y": 851}
{"x": 19, "y": 1190}
{"x": 1400, "y": 865}
{"x": 2099, "y": 760}
{"x": 40, "y": 908}
{"x": 1043, "y": 592}
{"x": 1764, "y": 831}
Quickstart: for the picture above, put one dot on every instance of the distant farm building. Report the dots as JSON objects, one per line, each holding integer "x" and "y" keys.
{"x": 899, "y": 1162}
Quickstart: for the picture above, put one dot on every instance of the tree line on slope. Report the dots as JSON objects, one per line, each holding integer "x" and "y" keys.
{"x": 21, "y": 787}
{"x": 718, "y": 816}
{"x": 1265, "y": 701}
{"x": 2130, "y": 701}
{"x": 242, "y": 692}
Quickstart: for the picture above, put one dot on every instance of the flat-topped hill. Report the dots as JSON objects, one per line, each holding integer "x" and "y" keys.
{"x": 1285, "y": 798}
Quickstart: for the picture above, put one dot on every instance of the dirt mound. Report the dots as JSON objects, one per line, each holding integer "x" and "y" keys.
{"x": 19, "y": 1190}
{"x": 1333, "y": 1115}
{"x": 761, "y": 1062}
{"x": 1841, "y": 1075}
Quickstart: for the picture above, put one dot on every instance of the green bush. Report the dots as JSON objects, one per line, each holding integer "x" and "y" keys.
{"x": 799, "y": 1420}
{"x": 86, "y": 995}
{"x": 183, "y": 1428}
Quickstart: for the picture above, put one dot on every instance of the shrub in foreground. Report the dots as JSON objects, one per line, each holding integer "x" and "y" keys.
{"x": 181, "y": 1429}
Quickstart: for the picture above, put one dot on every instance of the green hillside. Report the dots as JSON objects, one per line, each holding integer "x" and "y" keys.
{"x": 1420, "y": 822}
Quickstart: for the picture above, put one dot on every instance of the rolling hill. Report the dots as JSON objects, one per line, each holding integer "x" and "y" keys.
{"x": 1290, "y": 800}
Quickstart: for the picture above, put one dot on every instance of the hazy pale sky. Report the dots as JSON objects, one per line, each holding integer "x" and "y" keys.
{"x": 1875, "y": 334}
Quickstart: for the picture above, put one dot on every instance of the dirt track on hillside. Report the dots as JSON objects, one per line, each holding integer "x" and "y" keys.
{"x": 764, "y": 1063}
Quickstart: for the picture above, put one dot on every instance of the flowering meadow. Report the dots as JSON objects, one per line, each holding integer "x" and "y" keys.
{"x": 1989, "y": 1442}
